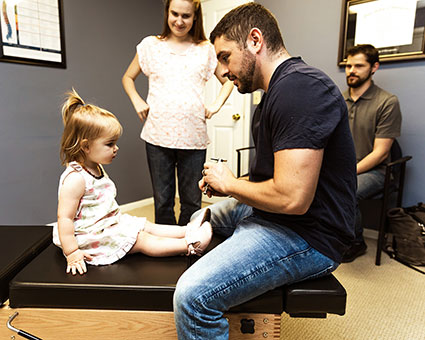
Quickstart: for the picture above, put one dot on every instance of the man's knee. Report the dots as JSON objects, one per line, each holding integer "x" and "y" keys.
{"x": 184, "y": 295}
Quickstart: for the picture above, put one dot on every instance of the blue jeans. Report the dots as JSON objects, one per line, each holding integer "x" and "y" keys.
{"x": 368, "y": 184}
{"x": 257, "y": 256}
{"x": 162, "y": 167}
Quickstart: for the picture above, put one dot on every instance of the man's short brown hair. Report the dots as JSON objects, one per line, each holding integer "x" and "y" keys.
{"x": 371, "y": 53}
{"x": 237, "y": 24}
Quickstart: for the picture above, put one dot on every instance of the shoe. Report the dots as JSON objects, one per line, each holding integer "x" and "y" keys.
{"x": 198, "y": 240}
{"x": 356, "y": 250}
{"x": 204, "y": 216}
{"x": 197, "y": 236}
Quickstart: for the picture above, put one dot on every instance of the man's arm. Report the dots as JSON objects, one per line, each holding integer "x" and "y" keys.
{"x": 290, "y": 191}
{"x": 380, "y": 152}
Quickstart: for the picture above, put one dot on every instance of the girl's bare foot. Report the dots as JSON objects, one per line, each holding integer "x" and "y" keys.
{"x": 199, "y": 239}
{"x": 204, "y": 216}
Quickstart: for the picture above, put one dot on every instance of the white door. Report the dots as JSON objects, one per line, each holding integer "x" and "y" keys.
{"x": 229, "y": 128}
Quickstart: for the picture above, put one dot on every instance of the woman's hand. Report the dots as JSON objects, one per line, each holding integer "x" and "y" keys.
{"x": 76, "y": 262}
{"x": 225, "y": 91}
{"x": 211, "y": 110}
{"x": 128, "y": 79}
{"x": 142, "y": 109}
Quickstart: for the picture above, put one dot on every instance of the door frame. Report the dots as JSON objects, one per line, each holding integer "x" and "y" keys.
{"x": 245, "y": 110}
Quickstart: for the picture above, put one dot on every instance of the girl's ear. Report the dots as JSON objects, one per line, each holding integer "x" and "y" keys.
{"x": 85, "y": 145}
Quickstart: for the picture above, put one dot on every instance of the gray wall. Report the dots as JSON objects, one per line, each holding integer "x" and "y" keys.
{"x": 310, "y": 28}
{"x": 100, "y": 37}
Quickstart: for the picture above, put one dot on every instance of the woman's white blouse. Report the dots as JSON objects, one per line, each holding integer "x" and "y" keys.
{"x": 176, "y": 95}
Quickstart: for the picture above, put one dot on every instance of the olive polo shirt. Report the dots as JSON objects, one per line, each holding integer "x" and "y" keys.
{"x": 376, "y": 114}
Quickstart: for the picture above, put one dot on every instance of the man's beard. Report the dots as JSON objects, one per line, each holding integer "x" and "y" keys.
{"x": 358, "y": 81}
{"x": 246, "y": 79}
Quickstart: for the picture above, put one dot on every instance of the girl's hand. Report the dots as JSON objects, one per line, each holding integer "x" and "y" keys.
{"x": 76, "y": 262}
{"x": 142, "y": 109}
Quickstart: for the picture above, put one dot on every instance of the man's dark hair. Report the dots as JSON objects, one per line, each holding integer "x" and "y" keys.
{"x": 237, "y": 24}
{"x": 371, "y": 53}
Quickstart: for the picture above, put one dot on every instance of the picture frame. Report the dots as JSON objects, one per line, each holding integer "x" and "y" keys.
{"x": 395, "y": 27}
{"x": 31, "y": 32}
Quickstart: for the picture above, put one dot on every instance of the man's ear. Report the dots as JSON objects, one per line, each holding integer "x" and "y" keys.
{"x": 375, "y": 67}
{"x": 255, "y": 39}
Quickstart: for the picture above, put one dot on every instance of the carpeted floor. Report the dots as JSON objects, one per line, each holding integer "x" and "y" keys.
{"x": 384, "y": 302}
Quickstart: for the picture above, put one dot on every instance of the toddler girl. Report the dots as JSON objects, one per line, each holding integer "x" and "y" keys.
{"x": 90, "y": 226}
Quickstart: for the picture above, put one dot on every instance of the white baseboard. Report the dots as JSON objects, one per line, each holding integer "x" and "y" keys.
{"x": 370, "y": 233}
{"x": 137, "y": 204}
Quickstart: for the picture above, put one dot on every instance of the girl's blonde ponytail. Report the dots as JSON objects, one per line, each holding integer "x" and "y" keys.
{"x": 73, "y": 102}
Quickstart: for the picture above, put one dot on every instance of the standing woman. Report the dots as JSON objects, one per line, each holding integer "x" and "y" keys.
{"x": 178, "y": 63}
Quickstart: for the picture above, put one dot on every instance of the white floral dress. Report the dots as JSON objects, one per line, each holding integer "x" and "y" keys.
{"x": 100, "y": 228}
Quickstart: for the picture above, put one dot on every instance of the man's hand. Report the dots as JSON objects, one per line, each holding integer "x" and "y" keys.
{"x": 208, "y": 190}
{"x": 218, "y": 178}
{"x": 381, "y": 150}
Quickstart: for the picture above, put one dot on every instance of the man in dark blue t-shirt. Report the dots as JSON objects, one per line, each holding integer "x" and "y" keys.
{"x": 294, "y": 218}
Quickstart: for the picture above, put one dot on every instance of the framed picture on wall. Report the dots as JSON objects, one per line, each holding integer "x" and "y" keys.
{"x": 31, "y": 32}
{"x": 395, "y": 27}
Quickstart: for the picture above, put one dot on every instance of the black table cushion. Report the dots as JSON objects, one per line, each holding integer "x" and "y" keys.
{"x": 315, "y": 297}
{"x": 19, "y": 245}
{"x": 136, "y": 282}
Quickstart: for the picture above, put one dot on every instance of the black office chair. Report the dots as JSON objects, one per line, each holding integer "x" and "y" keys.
{"x": 383, "y": 200}
{"x": 239, "y": 159}
{"x": 394, "y": 184}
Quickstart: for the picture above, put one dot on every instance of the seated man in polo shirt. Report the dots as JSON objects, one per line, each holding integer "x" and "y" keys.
{"x": 375, "y": 121}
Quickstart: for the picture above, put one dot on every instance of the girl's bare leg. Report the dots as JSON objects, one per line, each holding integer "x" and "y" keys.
{"x": 159, "y": 246}
{"x": 165, "y": 230}
{"x": 176, "y": 231}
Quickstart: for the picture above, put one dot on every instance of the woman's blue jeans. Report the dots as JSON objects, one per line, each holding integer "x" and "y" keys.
{"x": 256, "y": 257}
{"x": 162, "y": 167}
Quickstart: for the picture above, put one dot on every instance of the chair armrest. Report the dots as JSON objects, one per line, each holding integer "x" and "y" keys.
{"x": 388, "y": 173}
{"x": 399, "y": 161}
{"x": 238, "y": 151}
{"x": 245, "y": 148}
{"x": 389, "y": 168}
